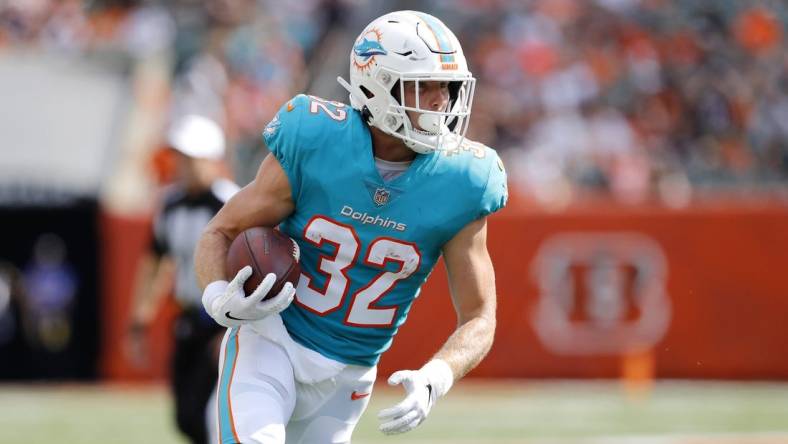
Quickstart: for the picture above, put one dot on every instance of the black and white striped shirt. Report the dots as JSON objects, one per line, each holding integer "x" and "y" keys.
{"x": 178, "y": 227}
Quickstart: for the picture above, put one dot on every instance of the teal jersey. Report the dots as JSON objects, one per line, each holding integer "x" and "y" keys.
{"x": 367, "y": 246}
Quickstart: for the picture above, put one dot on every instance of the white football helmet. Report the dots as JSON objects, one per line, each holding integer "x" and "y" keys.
{"x": 410, "y": 46}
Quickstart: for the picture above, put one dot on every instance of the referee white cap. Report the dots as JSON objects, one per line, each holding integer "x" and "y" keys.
{"x": 197, "y": 136}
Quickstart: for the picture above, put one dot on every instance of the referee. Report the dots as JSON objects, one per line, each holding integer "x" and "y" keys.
{"x": 199, "y": 192}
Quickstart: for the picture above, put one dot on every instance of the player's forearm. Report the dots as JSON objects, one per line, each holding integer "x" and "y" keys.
{"x": 154, "y": 283}
{"x": 468, "y": 345}
{"x": 143, "y": 299}
{"x": 209, "y": 256}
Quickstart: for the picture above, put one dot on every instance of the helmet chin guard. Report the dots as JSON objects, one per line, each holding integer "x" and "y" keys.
{"x": 410, "y": 46}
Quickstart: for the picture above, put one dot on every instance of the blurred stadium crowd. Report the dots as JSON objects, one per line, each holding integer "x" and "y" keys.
{"x": 639, "y": 100}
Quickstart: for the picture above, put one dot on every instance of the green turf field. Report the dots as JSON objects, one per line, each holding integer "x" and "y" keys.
{"x": 516, "y": 412}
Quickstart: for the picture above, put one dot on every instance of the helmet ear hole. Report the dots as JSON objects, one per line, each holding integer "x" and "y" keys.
{"x": 367, "y": 92}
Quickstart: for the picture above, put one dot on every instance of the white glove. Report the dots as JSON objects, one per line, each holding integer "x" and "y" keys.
{"x": 229, "y": 306}
{"x": 423, "y": 387}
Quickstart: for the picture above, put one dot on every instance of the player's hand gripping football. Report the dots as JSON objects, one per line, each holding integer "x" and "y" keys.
{"x": 229, "y": 306}
{"x": 422, "y": 387}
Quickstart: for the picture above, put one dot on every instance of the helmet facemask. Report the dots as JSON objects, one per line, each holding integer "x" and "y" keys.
{"x": 440, "y": 129}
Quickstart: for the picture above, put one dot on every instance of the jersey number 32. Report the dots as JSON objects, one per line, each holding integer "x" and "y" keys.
{"x": 362, "y": 312}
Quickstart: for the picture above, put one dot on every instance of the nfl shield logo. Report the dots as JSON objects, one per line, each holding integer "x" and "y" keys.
{"x": 381, "y": 196}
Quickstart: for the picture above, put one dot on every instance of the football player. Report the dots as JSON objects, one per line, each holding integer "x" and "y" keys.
{"x": 374, "y": 193}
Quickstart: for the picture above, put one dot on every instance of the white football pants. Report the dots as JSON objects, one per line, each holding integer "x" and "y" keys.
{"x": 260, "y": 400}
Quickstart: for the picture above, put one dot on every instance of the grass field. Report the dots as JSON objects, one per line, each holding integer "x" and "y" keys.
{"x": 475, "y": 412}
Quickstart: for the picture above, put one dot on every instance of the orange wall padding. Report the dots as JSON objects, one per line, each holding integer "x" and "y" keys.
{"x": 724, "y": 282}
{"x": 123, "y": 241}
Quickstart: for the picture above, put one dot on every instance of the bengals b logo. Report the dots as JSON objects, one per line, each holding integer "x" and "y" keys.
{"x": 600, "y": 293}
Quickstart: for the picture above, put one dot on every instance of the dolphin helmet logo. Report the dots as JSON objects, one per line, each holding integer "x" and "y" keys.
{"x": 366, "y": 48}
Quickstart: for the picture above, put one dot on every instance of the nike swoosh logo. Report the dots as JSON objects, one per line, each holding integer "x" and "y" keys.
{"x": 234, "y": 318}
{"x": 355, "y": 396}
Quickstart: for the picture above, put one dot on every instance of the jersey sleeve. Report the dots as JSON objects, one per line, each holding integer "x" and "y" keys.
{"x": 495, "y": 192}
{"x": 281, "y": 135}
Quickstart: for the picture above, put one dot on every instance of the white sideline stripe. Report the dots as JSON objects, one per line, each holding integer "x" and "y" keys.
{"x": 708, "y": 438}
{"x": 715, "y": 438}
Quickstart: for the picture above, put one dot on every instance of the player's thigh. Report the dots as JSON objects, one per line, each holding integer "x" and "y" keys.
{"x": 327, "y": 412}
{"x": 256, "y": 392}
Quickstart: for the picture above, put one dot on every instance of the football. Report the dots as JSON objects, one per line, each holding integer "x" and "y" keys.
{"x": 266, "y": 250}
